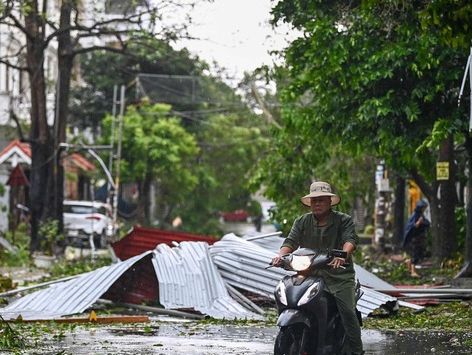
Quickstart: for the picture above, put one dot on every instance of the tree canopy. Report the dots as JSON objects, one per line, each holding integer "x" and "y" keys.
{"x": 366, "y": 79}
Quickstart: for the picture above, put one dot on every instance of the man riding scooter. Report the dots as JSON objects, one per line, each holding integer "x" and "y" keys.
{"x": 324, "y": 228}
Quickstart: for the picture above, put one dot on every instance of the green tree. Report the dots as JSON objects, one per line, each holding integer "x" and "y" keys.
{"x": 231, "y": 138}
{"x": 366, "y": 77}
{"x": 450, "y": 21}
{"x": 157, "y": 149}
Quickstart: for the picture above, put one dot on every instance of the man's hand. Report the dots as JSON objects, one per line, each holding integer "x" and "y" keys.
{"x": 337, "y": 263}
{"x": 276, "y": 260}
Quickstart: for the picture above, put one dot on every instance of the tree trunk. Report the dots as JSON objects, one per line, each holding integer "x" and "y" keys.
{"x": 65, "y": 65}
{"x": 40, "y": 139}
{"x": 442, "y": 199}
{"x": 444, "y": 241}
{"x": 399, "y": 211}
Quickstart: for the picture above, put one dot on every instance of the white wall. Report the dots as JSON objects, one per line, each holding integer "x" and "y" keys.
{"x": 4, "y": 200}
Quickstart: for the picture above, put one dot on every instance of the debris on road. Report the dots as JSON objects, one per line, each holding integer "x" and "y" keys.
{"x": 216, "y": 278}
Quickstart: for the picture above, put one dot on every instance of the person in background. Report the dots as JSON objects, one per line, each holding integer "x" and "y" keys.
{"x": 325, "y": 228}
{"x": 414, "y": 237}
{"x": 255, "y": 211}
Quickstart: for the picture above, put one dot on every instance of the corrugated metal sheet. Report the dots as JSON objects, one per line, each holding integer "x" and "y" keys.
{"x": 185, "y": 277}
{"x": 188, "y": 278}
{"x": 141, "y": 239}
{"x": 366, "y": 278}
{"x": 192, "y": 275}
{"x": 370, "y": 280}
{"x": 70, "y": 297}
{"x": 242, "y": 264}
{"x": 372, "y": 300}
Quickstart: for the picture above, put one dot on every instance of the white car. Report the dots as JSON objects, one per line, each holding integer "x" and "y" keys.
{"x": 83, "y": 219}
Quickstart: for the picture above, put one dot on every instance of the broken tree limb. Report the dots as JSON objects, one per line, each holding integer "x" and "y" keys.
{"x": 82, "y": 320}
{"x": 167, "y": 312}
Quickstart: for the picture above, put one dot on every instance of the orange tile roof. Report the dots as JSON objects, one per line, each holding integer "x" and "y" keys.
{"x": 76, "y": 158}
{"x": 82, "y": 162}
{"x": 25, "y": 147}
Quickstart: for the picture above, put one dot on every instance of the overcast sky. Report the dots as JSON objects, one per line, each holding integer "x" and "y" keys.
{"x": 236, "y": 34}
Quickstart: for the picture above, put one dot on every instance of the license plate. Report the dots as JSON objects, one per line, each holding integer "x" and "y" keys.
{"x": 73, "y": 233}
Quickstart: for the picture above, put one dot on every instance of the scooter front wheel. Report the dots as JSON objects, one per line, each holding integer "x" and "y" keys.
{"x": 289, "y": 340}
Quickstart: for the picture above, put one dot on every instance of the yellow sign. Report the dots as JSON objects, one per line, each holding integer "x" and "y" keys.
{"x": 442, "y": 170}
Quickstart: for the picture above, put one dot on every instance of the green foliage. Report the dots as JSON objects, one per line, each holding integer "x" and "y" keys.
{"x": 157, "y": 144}
{"x": 373, "y": 80}
{"x": 20, "y": 240}
{"x": 366, "y": 81}
{"x": 230, "y": 146}
{"x": 157, "y": 148}
{"x": 10, "y": 339}
{"x": 65, "y": 268}
{"x": 455, "y": 316}
{"x": 230, "y": 138}
{"x": 396, "y": 272}
{"x": 49, "y": 236}
{"x": 450, "y": 20}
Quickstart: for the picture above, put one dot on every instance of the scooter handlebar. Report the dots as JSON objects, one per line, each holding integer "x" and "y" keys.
{"x": 338, "y": 253}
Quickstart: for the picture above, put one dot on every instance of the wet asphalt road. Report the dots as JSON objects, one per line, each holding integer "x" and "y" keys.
{"x": 181, "y": 337}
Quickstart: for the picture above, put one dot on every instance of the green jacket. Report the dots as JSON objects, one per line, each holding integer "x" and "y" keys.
{"x": 306, "y": 233}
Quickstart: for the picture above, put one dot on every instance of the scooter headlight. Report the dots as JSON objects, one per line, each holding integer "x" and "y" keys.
{"x": 300, "y": 262}
{"x": 280, "y": 293}
{"x": 311, "y": 292}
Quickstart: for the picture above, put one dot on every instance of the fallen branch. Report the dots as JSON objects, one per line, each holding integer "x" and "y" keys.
{"x": 167, "y": 312}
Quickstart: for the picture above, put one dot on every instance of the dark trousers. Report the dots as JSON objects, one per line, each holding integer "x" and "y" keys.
{"x": 346, "y": 302}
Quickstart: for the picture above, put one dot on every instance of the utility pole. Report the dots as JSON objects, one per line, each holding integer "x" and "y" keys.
{"x": 112, "y": 138}
{"x": 118, "y": 154}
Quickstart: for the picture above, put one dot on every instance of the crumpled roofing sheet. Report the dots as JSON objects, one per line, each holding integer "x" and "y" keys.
{"x": 188, "y": 278}
{"x": 243, "y": 263}
{"x": 186, "y": 275}
{"x": 192, "y": 275}
{"x": 70, "y": 297}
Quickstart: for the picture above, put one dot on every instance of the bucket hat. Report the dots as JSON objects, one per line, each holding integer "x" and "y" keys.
{"x": 318, "y": 189}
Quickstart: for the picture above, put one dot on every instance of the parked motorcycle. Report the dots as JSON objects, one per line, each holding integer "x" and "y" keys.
{"x": 309, "y": 320}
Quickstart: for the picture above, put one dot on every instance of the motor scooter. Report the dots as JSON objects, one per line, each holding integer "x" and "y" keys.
{"x": 309, "y": 320}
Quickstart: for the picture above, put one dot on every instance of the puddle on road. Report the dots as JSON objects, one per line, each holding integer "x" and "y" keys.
{"x": 200, "y": 339}
{"x": 403, "y": 342}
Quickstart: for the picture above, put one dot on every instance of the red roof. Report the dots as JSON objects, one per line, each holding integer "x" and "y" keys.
{"x": 142, "y": 239}
{"x": 81, "y": 162}
{"x": 25, "y": 147}
{"x": 76, "y": 158}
